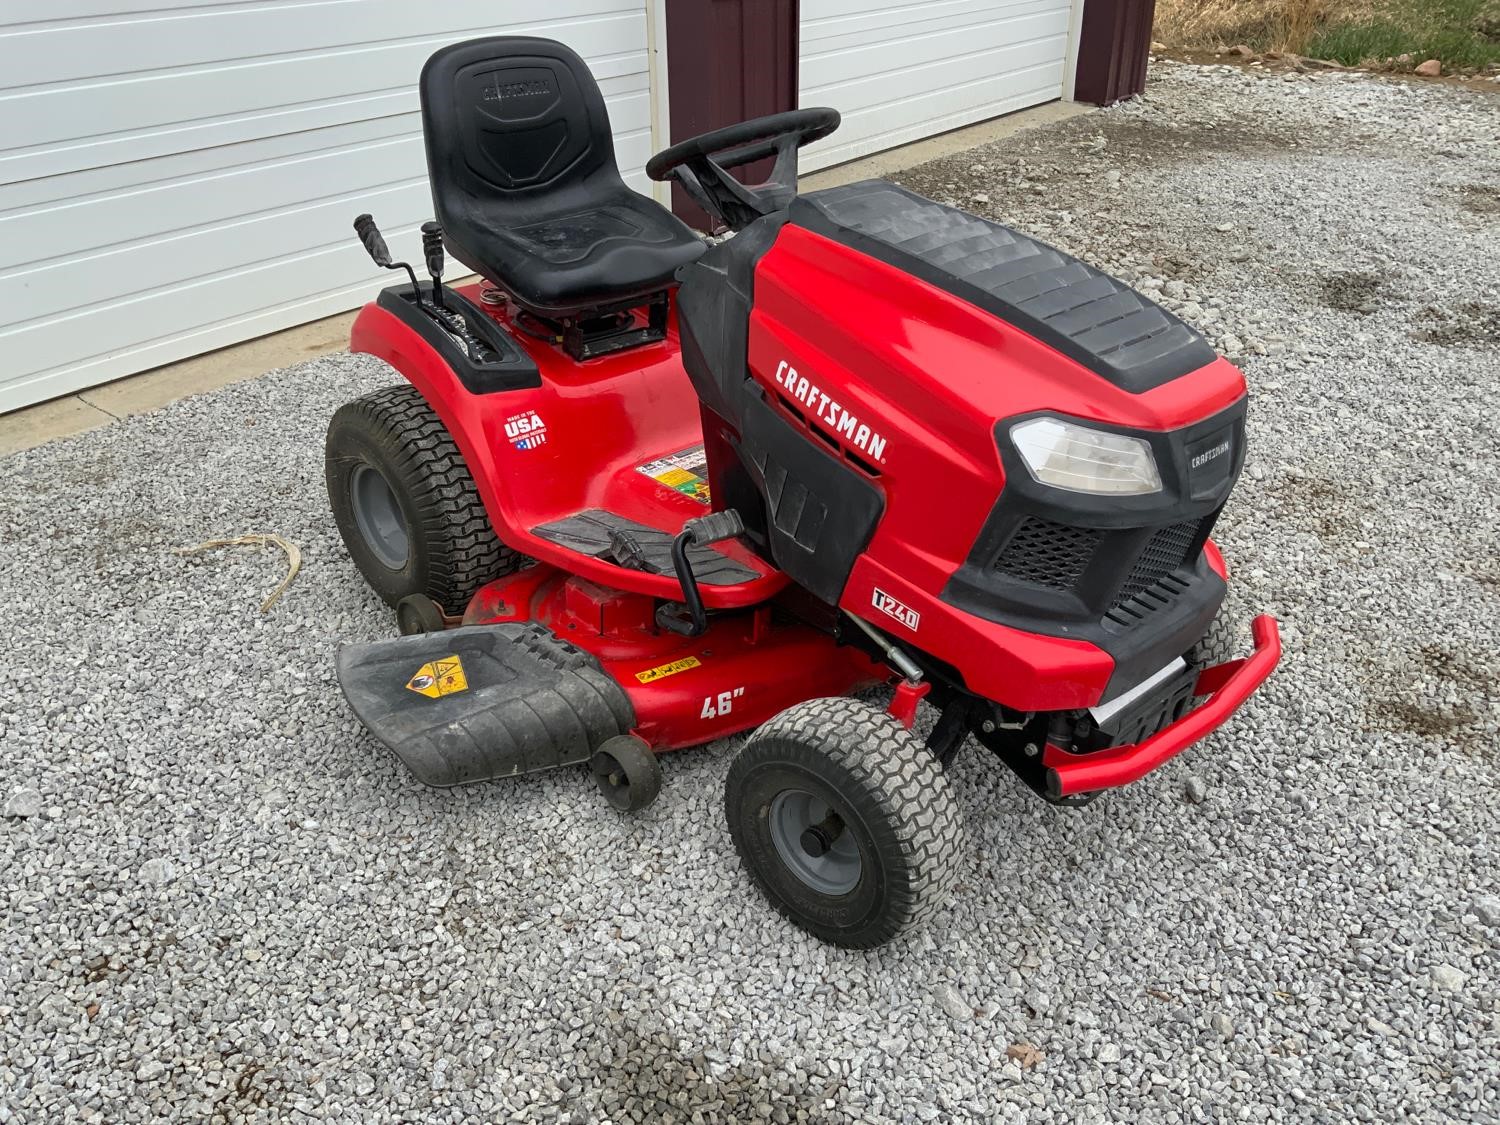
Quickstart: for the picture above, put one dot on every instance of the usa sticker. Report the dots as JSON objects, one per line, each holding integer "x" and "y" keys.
{"x": 526, "y": 430}
{"x": 894, "y": 607}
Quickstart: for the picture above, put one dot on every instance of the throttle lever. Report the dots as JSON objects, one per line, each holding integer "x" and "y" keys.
{"x": 432, "y": 249}
{"x": 380, "y": 253}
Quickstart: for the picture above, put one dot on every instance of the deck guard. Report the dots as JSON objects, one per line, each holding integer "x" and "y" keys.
{"x": 483, "y": 702}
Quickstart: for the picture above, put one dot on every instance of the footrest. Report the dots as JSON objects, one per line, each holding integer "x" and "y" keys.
{"x": 483, "y": 702}
{"x": 597, "y": 532}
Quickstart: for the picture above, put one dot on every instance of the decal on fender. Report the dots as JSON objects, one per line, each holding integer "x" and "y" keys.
{"x": 438, "y": 678}
{"x": 526, "y": 430}
{"x": 895, "y": 608}
{"x": 683, "y": 471}
{"x": 662, "y": 671}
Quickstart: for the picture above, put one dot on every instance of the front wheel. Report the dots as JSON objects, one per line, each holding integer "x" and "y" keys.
{"x": 845, "y": 821}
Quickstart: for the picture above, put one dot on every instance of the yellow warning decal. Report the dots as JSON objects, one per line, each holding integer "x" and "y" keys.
{"x": 683, "y": 471}
{"x": 439, "y": 678}
{"x": 662, "y": 671}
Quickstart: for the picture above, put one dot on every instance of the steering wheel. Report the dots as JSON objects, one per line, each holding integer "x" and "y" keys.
{"x": 699, "y": 163}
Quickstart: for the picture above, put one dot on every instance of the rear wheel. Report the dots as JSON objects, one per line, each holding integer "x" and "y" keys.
{"x": 845, "y": 821}
{"x": 405, "y": 503}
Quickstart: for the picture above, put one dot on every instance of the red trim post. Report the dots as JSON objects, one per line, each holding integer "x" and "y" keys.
{"x": 1114, "y": 43}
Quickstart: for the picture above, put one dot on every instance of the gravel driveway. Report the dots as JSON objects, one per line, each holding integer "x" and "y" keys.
{"x": 222, "y": 900}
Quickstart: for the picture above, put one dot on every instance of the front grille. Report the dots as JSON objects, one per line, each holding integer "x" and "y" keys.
{"x": 1048, "y": 554}
{"x": 1167, "y": 549}
{"x": 1130, "y": 612}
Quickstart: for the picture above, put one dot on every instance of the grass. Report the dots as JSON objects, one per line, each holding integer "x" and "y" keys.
{"x": 1423, "y": 29}
{"x": 1347, "y": 31}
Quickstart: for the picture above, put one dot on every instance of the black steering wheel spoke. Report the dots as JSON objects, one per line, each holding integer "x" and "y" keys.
{"x": 701, "y": 164}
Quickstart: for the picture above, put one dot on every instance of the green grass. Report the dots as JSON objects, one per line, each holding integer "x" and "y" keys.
{"x": 1423, "y": 29}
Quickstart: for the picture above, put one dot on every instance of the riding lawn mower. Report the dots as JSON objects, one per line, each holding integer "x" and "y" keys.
{"x": 644, "y": 488}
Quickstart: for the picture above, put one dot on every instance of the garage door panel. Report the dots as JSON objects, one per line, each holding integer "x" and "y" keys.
{"x": 901, "y": 71}
{"x": 163, "y": 207}
{"x": 933, "y": 58}
{"x": 886, "y": 126}
{"x": 123, "y": 275}
{"x": 108, "y": 329}
{"x": 215, "y": 105}
{"x": 75, "y": 51}
{"x": 22, "y": 389}
{"x": 145, "y": 217}
{"x": 908, "y": 21}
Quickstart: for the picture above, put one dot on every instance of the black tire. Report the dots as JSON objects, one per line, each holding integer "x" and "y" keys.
{"x": 1217, "y": 645}
{"x": 417, "y": 614}
{"x": 626, "y": 771}
{"x": 846, "y": 758}
{"x": 405, "y": 503}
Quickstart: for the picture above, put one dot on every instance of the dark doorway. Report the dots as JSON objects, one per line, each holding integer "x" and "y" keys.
{"x": 728, "y": 61}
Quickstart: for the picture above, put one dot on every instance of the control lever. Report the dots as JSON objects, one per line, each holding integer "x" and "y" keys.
{"x": 380, "y": 253}
{"x": 432, "y": 248}
{"x": 699, "y": 532}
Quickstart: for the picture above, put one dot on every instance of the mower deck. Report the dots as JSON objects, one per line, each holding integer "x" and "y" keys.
{"x": 549, "y": 666}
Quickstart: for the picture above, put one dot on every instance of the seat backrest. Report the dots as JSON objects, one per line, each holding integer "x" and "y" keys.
{"x": 510, "y": 117}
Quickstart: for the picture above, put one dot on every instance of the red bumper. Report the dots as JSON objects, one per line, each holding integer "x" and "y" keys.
{"x": 1228, "y": 685}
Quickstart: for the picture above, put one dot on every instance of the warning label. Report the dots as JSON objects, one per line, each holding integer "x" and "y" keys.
{"x": 685, "y": 471}
{"x": 439, "y": 678}
{"x": 662, "y": 671}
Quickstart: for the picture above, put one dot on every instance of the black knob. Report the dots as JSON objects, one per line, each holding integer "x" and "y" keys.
{"x": 369, "y": 234}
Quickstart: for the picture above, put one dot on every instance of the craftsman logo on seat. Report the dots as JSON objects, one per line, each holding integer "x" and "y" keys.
{"x": 526, "y": 430}
{"x": 897, "y": 609}
{"x": 830, "y": 412}
{"x": 501, "y": 91}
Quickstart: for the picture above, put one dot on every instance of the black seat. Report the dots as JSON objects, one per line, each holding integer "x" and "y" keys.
{"x": 525, "y": 184}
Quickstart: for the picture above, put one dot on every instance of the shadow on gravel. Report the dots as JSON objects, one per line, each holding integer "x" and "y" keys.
{"x": 1399, "y": 712}
{"x": 1479, "y": 199}
{"x": 1029, "y": 161}
{"x": 1354, "y": 292}
{"x": 647, "y": 1076}
{"x": 1326, "y": 508}
{"x": 1470, "y": 324}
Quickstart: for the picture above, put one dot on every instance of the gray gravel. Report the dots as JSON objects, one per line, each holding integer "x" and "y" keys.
{"x": 223, "y": 901}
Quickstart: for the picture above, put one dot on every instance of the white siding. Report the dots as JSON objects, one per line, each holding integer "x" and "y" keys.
{"x": 178, "y": 175}
{"x": 900, "y": 71}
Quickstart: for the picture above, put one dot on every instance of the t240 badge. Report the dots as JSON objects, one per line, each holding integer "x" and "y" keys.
{"x": 896, "y": 608}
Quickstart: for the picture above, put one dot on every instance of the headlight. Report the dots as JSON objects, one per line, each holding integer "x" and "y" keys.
{"x": 1080, "y": 459}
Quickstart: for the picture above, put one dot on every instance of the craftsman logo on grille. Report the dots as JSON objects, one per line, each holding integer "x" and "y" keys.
{"x": 1210, "y": 454}
{"x": 897, "y": 609}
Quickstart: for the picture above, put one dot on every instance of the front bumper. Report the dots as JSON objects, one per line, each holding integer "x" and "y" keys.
{"x": 1228, "y": 685}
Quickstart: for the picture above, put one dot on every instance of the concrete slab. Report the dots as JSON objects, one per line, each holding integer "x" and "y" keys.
{"x": 39, "y": 424}
{"x": 153, "y": 389}
{"x": 150, "y": 390}
{"x": 895, "y": 160}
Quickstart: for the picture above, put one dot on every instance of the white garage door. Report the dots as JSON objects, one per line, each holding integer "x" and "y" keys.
{"x": 900, "y": 71}
{"x": 177, "y": 175}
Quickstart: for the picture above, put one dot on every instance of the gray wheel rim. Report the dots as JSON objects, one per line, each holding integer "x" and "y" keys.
{"x": 379, "y": 517}
{"x": 836, "y": 871}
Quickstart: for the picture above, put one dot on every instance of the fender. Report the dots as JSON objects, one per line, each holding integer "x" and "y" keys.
{"x": 596, "y": 419}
